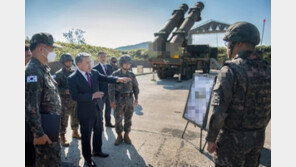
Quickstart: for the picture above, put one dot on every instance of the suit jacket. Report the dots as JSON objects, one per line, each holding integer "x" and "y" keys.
{"x": 104, "y": 85}
{"x": 81, "y": 92}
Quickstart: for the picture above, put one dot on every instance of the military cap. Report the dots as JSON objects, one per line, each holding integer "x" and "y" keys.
{"x": 65, "y": 57}
{"x": 242, "y": 32}
{"x": 113, "y": 59}
{"x": 43, "y": 38}
{"x": 125, "y": 59}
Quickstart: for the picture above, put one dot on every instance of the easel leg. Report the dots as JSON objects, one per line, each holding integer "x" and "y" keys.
{"x": 200, "y": 140}
{"x": 201, "y": 149}
{"x": 185, "y": 129}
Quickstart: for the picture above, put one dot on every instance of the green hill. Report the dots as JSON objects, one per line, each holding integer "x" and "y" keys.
{"x": 143, "y": 45}
{"x": 74, "y": 49}
{"x": 136, "y": 54}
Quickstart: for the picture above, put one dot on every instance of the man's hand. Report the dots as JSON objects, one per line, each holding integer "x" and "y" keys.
{"x": 212, "y": 147}
{"x": 42, "y": 140}
{"x": 113, "y": 105}
{"x": 67, "y": 92}
{"x": 98, "y": 95}
{"x": 136, "y": 102}
{"x": 123, "y": 79}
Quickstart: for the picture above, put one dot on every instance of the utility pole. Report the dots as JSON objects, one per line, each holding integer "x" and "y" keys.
{"x": 262, "y": 33}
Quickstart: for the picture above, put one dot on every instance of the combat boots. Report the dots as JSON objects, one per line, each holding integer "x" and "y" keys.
{"x": 64, "y": 141}
{"x": 75, "y": 134}
{"x": 119, "y": 139}
{"x": 127, "y": 140}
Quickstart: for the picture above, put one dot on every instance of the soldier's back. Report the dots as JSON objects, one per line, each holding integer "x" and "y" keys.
{"x": 250, "y": 108}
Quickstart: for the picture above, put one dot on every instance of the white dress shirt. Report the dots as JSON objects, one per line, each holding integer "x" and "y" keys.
{"x": 83, "y": 74}
{"x": 102, "y": 65}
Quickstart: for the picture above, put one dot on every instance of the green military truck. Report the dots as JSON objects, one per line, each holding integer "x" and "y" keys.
{"x": 192, "y": 58}
{"x": 174, "y": 55}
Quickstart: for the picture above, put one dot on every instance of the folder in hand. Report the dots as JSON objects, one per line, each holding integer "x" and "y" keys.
{"x": 51, "y": 125}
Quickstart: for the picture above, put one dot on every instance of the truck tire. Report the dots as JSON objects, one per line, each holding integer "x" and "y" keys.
{"x": 187, "y": 73}
{"x": 161, "y": 74}
{"x": 206, "y": 67}
{"x": 169, "y": 74}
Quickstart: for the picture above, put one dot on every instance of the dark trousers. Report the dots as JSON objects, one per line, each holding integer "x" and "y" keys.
{"x": 106, "y": 103}
{"x": 87, "y": 126}
{"x": 29, "y": 147}
{"x": 30, "y": 154}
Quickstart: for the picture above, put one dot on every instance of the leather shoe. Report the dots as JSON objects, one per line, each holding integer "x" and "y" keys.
{"x": 100, "y": 154}
{"x": 90, "y": 163}
{"x": 110, "y": 125}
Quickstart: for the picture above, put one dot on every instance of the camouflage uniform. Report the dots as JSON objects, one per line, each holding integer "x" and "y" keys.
{"x": 114, "y": 66}
{"x": 121, "y": 94}
{"x": 42, "y": 97}
{"x": 241, "y": 108}
{"x": 113, "y": 63}
{"x": 68, "y": 105}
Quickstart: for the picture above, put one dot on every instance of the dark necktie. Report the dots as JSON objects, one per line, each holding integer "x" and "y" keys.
{"x": 88, "y": 79}
{"x": 105, "y": 69}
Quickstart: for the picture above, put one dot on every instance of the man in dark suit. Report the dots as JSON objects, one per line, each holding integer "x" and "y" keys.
{"x": 107, "y": 70}
{"x": 84, "y": 89}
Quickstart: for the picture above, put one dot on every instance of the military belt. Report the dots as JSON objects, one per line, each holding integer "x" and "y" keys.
{"x": 123, "y": 95}
{"x": 45, "y": 110}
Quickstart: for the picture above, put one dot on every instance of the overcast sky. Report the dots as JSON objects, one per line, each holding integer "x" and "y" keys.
{"x": 114, "y": 23}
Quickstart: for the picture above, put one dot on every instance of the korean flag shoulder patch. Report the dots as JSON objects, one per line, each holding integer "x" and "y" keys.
{"x": 32, "y": 78}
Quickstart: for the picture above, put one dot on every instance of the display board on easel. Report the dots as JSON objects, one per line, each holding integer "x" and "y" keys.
{"x": 198, "y": 102}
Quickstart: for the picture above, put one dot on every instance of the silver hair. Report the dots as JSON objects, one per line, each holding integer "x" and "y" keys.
{"x": 80, "y": 56}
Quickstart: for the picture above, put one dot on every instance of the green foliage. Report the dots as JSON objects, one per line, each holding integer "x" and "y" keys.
{"x": 222, "y": 55}
{"x": 27, "y": 40}
{"x": 74, "y": 49}
{"x": 266, "y": 53}
{"x": 75, "y": 36}
{"x": 138, "y": 54}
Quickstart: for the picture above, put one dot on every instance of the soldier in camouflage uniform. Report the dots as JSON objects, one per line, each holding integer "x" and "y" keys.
{"x": 121, "y": 100}
{"x": 113, "y": 63}
{"x": 68, "y": 105}
{"x": 28, "y": 54}
{"x": 241, "y": 101}
{"x": 41, "y": 97}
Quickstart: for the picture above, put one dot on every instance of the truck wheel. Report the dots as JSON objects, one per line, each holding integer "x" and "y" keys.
{"x": 188, "y": 74}
{"x": 161, "y": 74}
{"x": 169, "y": 74}
{"x": 206, "y": 68}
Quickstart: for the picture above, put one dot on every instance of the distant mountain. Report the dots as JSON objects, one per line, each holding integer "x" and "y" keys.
{"x": 143, "y": 45}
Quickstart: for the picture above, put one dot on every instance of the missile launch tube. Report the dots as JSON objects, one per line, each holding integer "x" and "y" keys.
{"x": 175, "y": 20}
{"x": 193, "y": 16}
